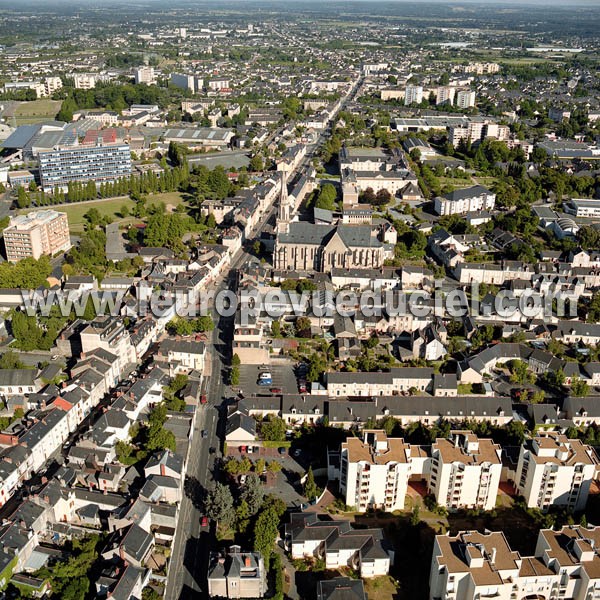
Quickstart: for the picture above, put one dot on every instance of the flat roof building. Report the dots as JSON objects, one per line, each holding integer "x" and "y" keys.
{"x": 35, "y": 234}
{"x": 105, "y": 162}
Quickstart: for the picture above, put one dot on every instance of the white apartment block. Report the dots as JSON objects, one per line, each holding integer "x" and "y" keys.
{"x": 84, "y": 81}
{"x": 460, "y": 202}
{"x": 473, "y": 565}
{"x": 144, "y": 75}
{"x": 36, "y": 234}
{"x": 445, "y": 95}
{"x": 477, "y": 130}
{"x": 218, "y": 83}
{"x": 482, "y": 68}
{"x": 555, "y": 471}
{"x": 400, "y": 379}
{"x": 465, "y": 471}
{"x": 413, "y": 95}
{"x": 465, "y": 99}
{"x": 374, "y": 471}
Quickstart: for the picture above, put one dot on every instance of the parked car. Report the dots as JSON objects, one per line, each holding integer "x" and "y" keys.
{"x": 265, "y": 381}
{"x": 276, "y": 390}
{"x": 282, "y": 450}
{"x": 243, "y": 479}
{"x": 204, "y": 433}
{"x": 302, "y": 387}
{"x": 204, "y": 521}
{"x": 203, "y": 399}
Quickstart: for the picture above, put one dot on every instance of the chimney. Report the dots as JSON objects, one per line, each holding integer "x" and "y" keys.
{"x": 493, "y": 556}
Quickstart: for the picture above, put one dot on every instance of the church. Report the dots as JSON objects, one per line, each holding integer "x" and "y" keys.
{"x": 309, "y": 247}
{"x": 304, "y": 246}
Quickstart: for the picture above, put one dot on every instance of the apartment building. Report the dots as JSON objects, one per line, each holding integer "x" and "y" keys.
{"x": 478, "y": 129}
{"x": 472, "y": 565}
{"x": 187, "y": 81}
{"x": 465, "y": 471}
{"x": 397, "y": 380}
{"x": 374, "y": 471}
{"x": 84, "y": 81}
{"x": 144, "y": 75}
{"x": 109, "y": 333}
{"x": 459, "y": 202}
{"x": 413, "y": 95}
{"x": 465, "y": 99}
{"x": 445, "y": 95}
{"x": 103, "y": 162}
{"x": 36, "y": 234}
{"x": 555, "y": 471}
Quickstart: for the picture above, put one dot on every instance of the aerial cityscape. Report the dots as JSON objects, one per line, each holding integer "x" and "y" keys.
{"x": 300, "y": 300}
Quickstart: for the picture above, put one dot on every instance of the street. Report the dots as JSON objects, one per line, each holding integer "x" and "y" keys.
{"x": 190, "y": 551}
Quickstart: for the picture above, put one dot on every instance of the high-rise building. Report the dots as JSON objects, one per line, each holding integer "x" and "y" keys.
{"x": 186, "y": 82}
{"x": 84, "y": 81}
{"x": 445, "y": 95}
{"x": 35, "y": 234}
{"x": 465, "y": 471}
{"x": 105, "y": 162}
{"x": 374, "y": 471}
{"x": 413, "y": 95}
{"x": 555, "y": 471}
{"x": 144, "y": 75}
{"x": 465, "y": 99}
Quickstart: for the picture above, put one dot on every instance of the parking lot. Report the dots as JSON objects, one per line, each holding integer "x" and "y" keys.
{"x": 283, "y": 378}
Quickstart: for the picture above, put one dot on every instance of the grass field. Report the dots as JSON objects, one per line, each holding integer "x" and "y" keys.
{"x": 111, "y": 207}
{"x": 380, "y": 588}
{"x": 36, "y": 111}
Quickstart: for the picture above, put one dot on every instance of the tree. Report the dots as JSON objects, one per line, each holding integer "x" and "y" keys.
{"x": 93, "y": 217}
{"x": 274, "y": 467}
{"x": 273, "y": 429}
{"x": 538, "y": 155}
{"x": 253, "y": 493}
{"x": 256, "y": 163}
{"x": 234, "y": 375}
{"x": 303, "y": 327}
{"x": 579, "y": 387}
{"x": 67, "y": 108}
{"x": 266, "y": 529}
{"x": 219, "y": 505}
{"x": 327, "y": 197}
{"x": 382, "y": 198}
{"x": 519, "y": 371}
{"x": 236, "y": 361}
{"x": 311, "y": 491}
{"x": 22, "y": 197}
{"x": 415, "y": 518}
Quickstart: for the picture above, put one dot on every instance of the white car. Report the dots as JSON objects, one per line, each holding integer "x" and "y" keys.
{"x": 265, "y": 375}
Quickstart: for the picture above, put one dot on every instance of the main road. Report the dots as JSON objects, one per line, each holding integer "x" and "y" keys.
{"x": 189, "y": 557}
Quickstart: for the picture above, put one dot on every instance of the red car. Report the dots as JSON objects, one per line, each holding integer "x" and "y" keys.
{"x": 204, "y": 521}
{"x": 203, "y": 399}
{"x": 276, "y": 390}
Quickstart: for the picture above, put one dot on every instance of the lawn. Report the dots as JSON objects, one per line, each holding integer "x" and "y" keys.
{"x": 36, "y": 111}
{"x": 380, "y": 588}
{"x": 109, "y": 207}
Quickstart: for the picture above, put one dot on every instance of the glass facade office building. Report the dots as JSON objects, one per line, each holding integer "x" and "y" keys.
{"x": 106, "y": 162}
